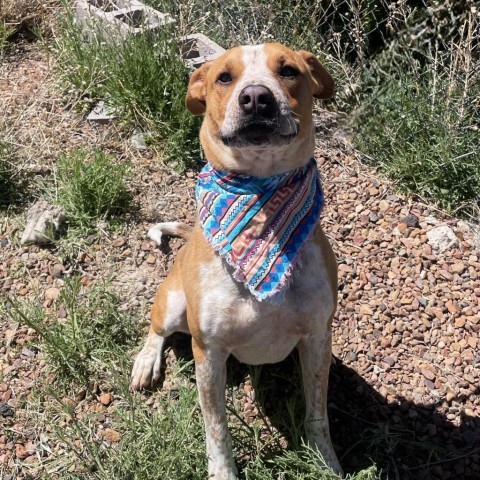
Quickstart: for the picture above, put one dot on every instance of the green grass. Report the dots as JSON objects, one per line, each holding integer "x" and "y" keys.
{"x": 93, "y": 333}
{"x": 423, "y": 144}
{"x": 143, "y": 79}
{"x": 91, "y": 186}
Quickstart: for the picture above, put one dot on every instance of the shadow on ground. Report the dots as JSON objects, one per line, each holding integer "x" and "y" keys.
{"x": 407, "y": 441}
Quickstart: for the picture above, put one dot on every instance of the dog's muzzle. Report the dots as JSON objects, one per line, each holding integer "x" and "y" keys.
{"x": 260, "y": 120}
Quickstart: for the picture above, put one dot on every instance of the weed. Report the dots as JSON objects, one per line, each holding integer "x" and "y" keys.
{"x": 91, "y": 187}
{"x": 5, "y": 33}
{"x": 93, "y": 333}
{"x": 143, "y": 78}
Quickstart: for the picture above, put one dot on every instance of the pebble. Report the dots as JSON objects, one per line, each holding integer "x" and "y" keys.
{"x": 428, "y": 374}
{"x": 27, "y": 352}
{"x": 24, "y": 451}
{"x": 411, "y": 221}
{"x": 57, "y": 271}
{"x": 119, "y": 242}
{"x": 442, "y": 238}
{"x": 6, "y": 410}
{"x": 389, "y": 361}
{"x": 105, "y": 399}
{"x": 52, "y": 294}
{"x": 111, "y": 435}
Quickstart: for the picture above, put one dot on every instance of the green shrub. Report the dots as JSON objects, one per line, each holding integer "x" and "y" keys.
{"x": 142, "y": 78}
{"x": 91, "y": 188}
{"x": 422, "y": 146}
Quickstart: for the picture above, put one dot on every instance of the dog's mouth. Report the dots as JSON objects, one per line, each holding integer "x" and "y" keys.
{"x": 260, "y": 132}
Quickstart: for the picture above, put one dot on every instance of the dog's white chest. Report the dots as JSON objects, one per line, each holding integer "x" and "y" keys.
{"x": 261, "y": 332}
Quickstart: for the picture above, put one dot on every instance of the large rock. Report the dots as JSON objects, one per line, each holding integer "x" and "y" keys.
{"x": 442, "y": 238}
{"x": 114, "y": 20}
{"x": 43, "y": 223}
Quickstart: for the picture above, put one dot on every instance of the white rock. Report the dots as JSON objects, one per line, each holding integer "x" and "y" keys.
{"x": 139, "y": 140}
{"x": 101, "y": 113}
{"x": 442, "y": 238}
{"x": 43, "y": 222}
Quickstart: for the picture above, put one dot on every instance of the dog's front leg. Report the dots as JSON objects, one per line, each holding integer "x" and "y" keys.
{"x": 210, "y": 367}
{"x": 315, "y": 355}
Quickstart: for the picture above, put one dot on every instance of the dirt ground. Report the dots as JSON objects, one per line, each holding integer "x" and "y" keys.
{"x": 406, "y": 332}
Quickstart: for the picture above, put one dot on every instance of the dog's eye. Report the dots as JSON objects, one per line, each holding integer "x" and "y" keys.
{"x": 288, "y": 71}
{"x": 224, "y": 77}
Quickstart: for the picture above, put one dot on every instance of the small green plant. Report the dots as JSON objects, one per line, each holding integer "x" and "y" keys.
{"x": 5, "y": 32}
{"x": 419, "y": 147}
{"x": 7, "y": 186}
{"x": 91, "y": 187}
{"x": 93, "y": 333}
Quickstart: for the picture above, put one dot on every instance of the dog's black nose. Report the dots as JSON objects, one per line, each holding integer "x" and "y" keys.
{"x": 257, "y": 99}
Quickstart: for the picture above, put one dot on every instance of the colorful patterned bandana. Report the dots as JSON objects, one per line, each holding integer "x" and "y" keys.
{"x": 259, "y": 225}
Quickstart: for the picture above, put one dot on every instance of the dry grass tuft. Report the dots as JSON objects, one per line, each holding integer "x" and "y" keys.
{"x": 31, "y": 16}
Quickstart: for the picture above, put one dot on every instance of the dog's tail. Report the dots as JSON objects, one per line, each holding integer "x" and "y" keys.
{"x": 175, "y": 229}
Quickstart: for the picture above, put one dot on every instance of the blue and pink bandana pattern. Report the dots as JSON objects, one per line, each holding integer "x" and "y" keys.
{"x": 259, "y": 225}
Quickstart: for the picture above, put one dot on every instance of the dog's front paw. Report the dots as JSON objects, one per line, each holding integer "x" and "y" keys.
{"x": 147, "y": 368}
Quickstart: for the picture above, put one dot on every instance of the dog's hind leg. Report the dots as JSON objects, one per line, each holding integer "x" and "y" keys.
{"x": 168, "y": 315}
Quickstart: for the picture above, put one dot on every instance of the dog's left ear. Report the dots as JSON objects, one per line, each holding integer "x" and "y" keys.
{"x": 322, "y": 81}
{"x": 195, "y": 100}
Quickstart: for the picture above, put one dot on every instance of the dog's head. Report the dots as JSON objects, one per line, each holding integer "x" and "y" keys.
{"x": 257, "y": 102}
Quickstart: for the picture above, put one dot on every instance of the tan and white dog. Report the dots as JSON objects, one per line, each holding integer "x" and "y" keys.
{"x": 257, "y": 102}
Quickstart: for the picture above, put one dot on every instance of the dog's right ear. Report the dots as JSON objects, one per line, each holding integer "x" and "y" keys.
{"x": 197, "y": 91}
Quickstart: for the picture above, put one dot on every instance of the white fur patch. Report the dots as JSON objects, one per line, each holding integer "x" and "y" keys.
{"x": 256, "y": 72}
{"x": 146, "y": 370}
{"x": 176, "y": 229}
{"x": 176, "y": 315}
{"x": 261, "y": 332}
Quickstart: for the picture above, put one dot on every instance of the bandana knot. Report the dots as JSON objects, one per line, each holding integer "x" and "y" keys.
{"x": 259, "y": 225}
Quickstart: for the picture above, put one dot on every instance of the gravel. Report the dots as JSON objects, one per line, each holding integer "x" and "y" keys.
{"x": 405, "y": 334}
